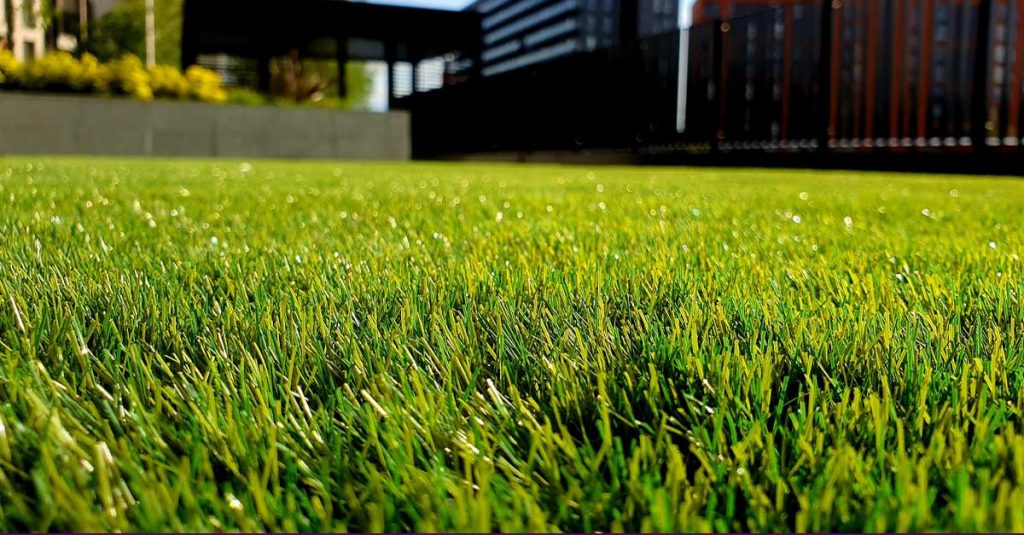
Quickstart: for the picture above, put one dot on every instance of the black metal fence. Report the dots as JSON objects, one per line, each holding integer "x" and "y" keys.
{"x": 859, "y": 76}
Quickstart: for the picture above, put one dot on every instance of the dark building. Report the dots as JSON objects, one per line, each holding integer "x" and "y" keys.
{"x": 519, "y": 33}
{"x": 240, "y": 38}
{"x": 760, "y": 83}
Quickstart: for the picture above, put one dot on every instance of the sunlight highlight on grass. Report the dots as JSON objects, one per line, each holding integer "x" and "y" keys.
{"x": 197, "y": 345}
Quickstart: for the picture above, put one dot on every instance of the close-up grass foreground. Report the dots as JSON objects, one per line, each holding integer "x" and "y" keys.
{"x": 260, "y": 346}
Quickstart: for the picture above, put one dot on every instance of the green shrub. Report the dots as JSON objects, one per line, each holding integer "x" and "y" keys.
{"x": 131, "y": 78}
{"x": 10, "y": 68}
{"x": 126, "y": 75}
{"x": 246, "y": 97}
{"x": 55, "y": 72}
{"x": 205, "y": 85}
{"x": 168, "y": 82}
{"x": 58, "y": 71}
{"x": 95, "y": 76}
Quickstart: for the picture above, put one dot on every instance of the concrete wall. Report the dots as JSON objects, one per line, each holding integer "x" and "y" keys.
{"x": 57, "y": 124}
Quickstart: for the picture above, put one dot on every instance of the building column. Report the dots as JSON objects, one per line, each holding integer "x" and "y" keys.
{"x": 389, "y": 60}
{"x": 341, "y": 55}
{"x": 476, "y": 54}
{"x": 189, "y": 48}
{"x": 264, "y": 54}
{"x": 390, "y": 68}
{"x": 414, "y": 65}
{"x": 263, "y": 71}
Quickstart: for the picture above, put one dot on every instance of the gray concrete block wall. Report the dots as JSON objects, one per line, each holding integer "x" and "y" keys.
{"x": 90, "y": 125}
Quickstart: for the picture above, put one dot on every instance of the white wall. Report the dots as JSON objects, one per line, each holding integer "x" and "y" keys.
{"x": 26, "y": 41}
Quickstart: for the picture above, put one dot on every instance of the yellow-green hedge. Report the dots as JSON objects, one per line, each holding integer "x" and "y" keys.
{"x": 62, "y": 72}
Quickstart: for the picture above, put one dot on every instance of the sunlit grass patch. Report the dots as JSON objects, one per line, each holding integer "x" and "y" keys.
{"x": 318, "y": 346}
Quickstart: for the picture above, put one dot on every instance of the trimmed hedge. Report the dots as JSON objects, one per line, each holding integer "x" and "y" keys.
{"x": 62, "y": 72}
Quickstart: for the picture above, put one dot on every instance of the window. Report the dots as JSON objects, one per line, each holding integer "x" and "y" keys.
{"x": 401, "y": 82}
{"x": 500, "y": 50}
{"x": 538, "y": 56}
{"x": 30, "y": 50}
{"x": 430, "y": 74}
{"x": 527, "y": 22}
{"x": 510, "y": 12}
{"x": 28, "y": 13}
{"x": 556, "y": 30}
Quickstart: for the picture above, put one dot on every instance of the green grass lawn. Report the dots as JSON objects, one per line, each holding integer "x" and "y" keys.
{"x": 191, "y": 345}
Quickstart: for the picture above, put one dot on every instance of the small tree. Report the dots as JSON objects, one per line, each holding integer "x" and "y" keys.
{"x": 304, "y": 80}
{"x": 122, "y": 31}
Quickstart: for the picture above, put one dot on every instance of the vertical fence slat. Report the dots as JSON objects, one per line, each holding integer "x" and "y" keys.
{"x": 826, "y": 88}
{"x": 982, "y": 75}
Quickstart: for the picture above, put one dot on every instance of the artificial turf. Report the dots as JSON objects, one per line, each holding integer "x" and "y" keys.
{"x": 215, "y": 345}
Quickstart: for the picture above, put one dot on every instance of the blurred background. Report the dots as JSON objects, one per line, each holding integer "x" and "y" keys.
{"x": 875, "y": 83}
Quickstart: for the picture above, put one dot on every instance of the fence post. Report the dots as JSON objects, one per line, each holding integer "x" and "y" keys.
{"x": 825, "y": 88}
{"x": 982, "y": 76}
{"x": 717, "y": 100}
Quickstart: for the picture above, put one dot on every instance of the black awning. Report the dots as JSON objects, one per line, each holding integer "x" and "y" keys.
{"x": 261, "y": 28}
